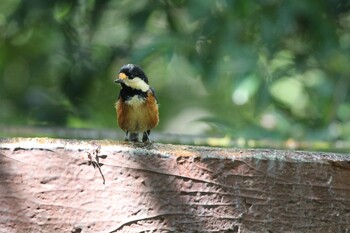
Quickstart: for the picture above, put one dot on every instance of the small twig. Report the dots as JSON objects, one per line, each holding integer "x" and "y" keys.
{"x": 95, "y": 161}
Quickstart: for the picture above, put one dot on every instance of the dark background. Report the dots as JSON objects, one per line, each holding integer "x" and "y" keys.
{"x": 252, "y": 69}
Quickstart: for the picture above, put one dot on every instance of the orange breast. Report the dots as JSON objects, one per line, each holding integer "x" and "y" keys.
{"x": 138, "y": 116}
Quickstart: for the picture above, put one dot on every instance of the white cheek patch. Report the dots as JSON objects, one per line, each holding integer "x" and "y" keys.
{"x": 137, "y": 83}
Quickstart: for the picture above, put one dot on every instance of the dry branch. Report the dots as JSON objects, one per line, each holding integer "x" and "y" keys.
{"x": 51, "y": 185}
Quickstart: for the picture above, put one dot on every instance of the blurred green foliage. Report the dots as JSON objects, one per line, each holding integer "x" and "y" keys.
{"x": 254, "y": 69}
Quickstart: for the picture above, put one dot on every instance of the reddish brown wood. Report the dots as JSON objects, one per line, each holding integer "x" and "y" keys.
{"x": 49, "y": 185}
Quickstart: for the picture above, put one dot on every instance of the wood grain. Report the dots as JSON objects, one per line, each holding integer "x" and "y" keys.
{"x": 54, "y": 185}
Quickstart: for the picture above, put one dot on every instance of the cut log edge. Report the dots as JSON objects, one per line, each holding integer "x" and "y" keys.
{"x": 168, "y": 149}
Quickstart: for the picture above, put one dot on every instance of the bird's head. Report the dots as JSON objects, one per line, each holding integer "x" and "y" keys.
{"x": 133, "y": 76}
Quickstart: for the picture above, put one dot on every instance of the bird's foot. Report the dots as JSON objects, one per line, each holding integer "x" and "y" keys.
{"x": 134, "y": 137}
{"x": 145, "y": 137}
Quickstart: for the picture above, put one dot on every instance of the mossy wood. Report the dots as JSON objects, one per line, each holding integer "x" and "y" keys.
{"x": 53, "y": 185}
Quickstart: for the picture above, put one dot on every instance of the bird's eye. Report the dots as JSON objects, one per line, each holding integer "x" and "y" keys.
{"x": 131, "y": 76}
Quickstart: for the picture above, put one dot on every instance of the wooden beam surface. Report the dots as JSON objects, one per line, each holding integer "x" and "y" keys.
{"x": 55, "y": 185}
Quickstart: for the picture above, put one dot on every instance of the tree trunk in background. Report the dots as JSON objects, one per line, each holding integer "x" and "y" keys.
{"x": 52, "y": 185}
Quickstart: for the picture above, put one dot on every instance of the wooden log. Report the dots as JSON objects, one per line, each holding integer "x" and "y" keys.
{"x": 54, "y": 185}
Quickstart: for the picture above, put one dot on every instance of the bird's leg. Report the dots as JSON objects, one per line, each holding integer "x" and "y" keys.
{"x": 145, "y": 137}
{"x": 134, "y": 137}
{"x": 126, "y": 136}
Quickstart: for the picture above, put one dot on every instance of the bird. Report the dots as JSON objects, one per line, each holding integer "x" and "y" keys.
{"x": 137, "y": 104}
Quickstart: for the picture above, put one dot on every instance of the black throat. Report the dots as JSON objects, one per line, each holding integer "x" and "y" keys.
{"x": 127, "y": 93}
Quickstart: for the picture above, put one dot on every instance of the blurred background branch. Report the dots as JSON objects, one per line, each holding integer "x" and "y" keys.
{"x": 263, "y": 70}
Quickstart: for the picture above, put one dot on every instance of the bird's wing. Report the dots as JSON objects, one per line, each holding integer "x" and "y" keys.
{"x": 154, "y": 93}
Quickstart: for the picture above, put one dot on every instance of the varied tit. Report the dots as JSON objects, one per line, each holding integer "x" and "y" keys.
{"x": 137, "y": 107}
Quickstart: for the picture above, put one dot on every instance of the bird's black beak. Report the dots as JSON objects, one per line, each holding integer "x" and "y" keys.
{"x": 118, "y": 80}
